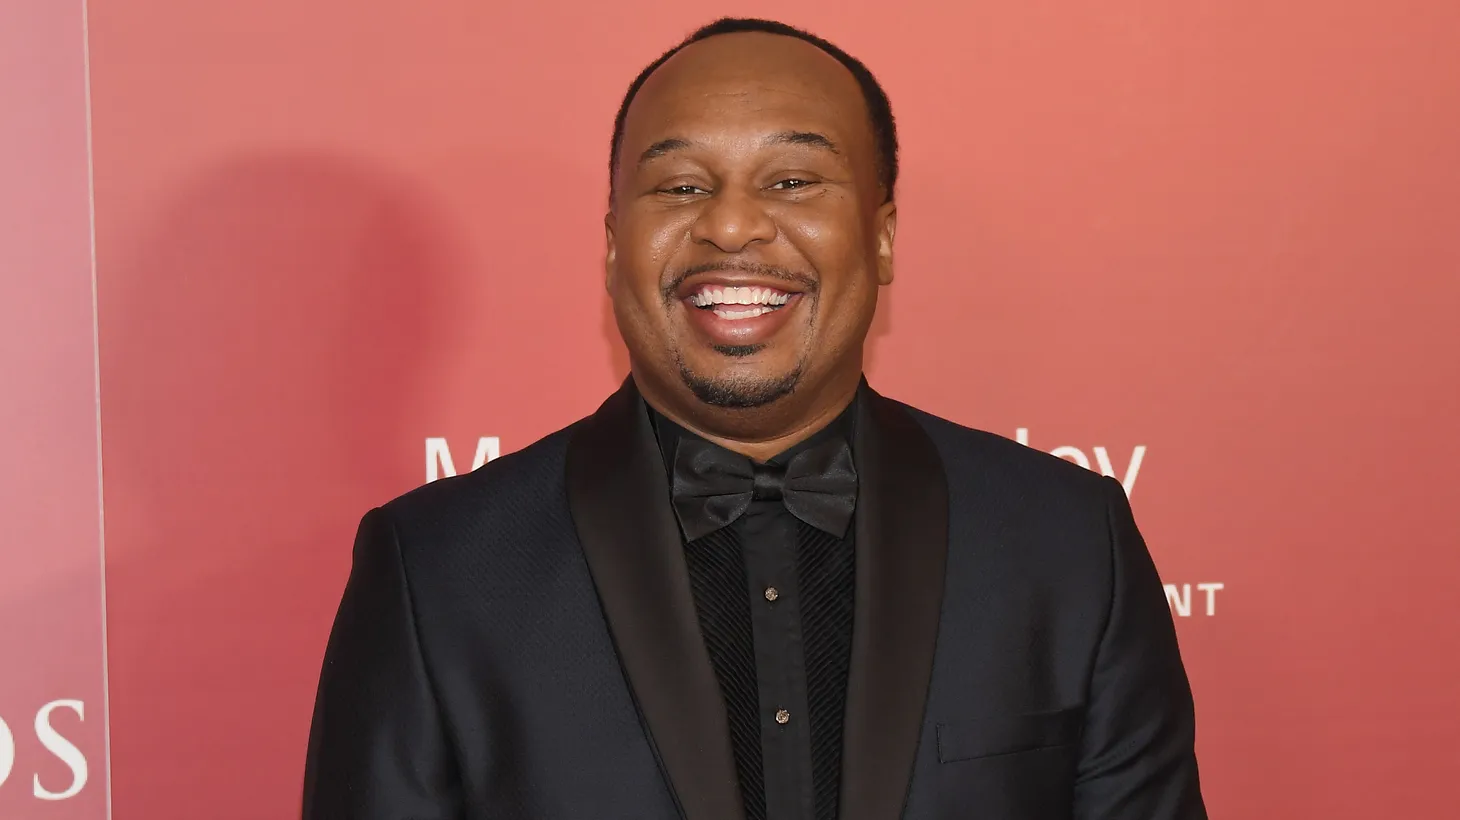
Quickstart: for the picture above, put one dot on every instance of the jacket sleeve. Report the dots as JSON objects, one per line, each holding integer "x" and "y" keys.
{"x": 377, "y": 746}
{"x": 1137, "y": 757}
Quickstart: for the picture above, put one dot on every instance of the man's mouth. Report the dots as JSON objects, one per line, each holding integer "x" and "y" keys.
{"x": 738, "y": 302}
{"x": 733, "y": 311}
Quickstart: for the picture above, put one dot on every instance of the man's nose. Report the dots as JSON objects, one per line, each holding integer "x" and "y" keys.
{"x": 732, "y": 220}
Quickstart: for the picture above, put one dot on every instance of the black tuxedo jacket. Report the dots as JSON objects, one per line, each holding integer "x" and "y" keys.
{"x": 521, "y": 642}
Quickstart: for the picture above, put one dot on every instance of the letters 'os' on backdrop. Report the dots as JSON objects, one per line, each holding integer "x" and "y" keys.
{"x": 340, "y": 250}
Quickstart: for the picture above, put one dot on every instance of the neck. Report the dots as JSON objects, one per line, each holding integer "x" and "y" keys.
{"x": 759, "y": 433}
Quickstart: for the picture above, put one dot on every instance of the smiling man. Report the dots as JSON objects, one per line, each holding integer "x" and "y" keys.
{"x": 749, "y": 586}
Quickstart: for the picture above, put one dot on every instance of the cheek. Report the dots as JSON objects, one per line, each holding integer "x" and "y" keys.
{"x": 834, "y": 235}
{"x": 847, "y": 270}
{"x": 847, "y": 315}
{"x": 647, "y": 246}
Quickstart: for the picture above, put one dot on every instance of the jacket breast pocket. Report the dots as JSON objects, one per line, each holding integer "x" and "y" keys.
{"x": 1009, "y": 767}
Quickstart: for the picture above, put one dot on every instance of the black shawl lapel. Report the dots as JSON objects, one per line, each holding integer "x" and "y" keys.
{"x": 619, "y": 497}
{"x": 902, "y": 548}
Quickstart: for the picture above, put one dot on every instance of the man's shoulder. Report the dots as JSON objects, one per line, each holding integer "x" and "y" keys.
{"x": 520, "y": 482}
{"x": 989, "y": 461}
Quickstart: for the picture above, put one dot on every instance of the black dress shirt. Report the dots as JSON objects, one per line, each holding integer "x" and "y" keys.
{"x": 774, "y": 596}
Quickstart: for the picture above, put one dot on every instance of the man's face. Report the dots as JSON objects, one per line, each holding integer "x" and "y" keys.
{"x": 749, "y": 232}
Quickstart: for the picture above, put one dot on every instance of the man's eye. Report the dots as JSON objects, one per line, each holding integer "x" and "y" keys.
{"x": 680, "y": 190}
{"x": 791, "y": 184}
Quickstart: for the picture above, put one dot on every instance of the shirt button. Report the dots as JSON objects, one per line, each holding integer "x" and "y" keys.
{"x": 771, "y": 593}
{"x": 783, "y": 717}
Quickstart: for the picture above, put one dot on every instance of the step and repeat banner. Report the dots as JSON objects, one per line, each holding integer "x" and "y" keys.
{"x": 1211, "y": 249}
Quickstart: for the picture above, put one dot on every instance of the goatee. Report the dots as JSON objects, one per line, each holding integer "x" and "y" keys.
{"x": 743, "y": 392}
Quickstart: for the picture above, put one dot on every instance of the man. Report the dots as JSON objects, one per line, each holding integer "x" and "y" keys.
{"x": 749, "y": 586}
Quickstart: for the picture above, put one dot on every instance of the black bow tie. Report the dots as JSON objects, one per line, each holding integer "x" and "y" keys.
{"x": 713, "y": 486}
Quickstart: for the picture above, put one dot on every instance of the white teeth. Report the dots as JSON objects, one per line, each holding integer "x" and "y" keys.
{"x": 743, "y": 314}
{"x": 717, "y": 295}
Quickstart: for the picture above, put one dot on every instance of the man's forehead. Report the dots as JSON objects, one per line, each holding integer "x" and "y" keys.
{"x": 746, "y": 74}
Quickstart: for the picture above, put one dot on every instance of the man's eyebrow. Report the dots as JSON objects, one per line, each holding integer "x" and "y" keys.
{"x": 802, "y": 138}
{"x": 662, "y": 147}
{"x": 811, "y": 138}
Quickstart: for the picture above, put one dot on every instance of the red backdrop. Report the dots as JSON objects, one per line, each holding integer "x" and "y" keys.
{"x": 1211, "y": 248}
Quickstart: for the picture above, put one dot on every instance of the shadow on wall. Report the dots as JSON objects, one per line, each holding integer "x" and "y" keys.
{"x": 262, "y": 352}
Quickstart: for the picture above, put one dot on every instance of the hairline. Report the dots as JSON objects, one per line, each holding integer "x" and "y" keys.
{"x": 881, "y": 163}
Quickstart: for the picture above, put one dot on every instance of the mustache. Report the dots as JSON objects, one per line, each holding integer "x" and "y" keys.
{"x": 803, "y": 282}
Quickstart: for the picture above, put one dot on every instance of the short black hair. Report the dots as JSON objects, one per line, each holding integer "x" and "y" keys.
{"x": 879, "y": 108}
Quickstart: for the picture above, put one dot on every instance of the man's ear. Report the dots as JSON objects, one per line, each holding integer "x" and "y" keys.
{"x": 886, "y": 223}
{"x": 610, "y": 256}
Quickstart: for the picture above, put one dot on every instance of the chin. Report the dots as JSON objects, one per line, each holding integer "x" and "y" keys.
{"x": 740, "y": 387}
